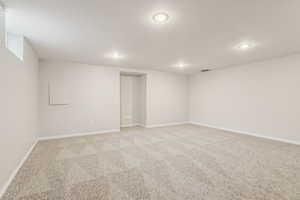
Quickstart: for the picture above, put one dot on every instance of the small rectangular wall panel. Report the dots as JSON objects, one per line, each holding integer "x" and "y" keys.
{"x": 58, "y": 93}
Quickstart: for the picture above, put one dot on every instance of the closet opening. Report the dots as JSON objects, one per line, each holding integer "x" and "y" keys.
{"x": 133, "y": 99}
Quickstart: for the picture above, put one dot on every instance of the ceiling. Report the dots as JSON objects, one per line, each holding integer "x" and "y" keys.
{"x": 201, "y": 33}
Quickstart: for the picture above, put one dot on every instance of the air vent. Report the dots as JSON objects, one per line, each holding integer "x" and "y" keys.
{"x": 205, "y": 70}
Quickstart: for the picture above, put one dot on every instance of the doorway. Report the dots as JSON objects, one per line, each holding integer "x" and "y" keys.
{"x": 133, "y": 99}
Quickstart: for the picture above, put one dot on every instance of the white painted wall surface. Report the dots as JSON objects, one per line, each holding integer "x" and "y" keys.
{"x": 260, "y": 98}
{"x": 94, "y": 98}
{"x": 19, "y": 110}
{"x": 93, "y": 93}
{"x": 167, "y": 98}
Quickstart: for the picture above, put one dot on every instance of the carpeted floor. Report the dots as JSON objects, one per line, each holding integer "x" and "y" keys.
{"x": 179, "y": 162}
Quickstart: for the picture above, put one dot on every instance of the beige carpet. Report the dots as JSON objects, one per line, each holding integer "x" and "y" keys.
{"x": 180, "y": 162}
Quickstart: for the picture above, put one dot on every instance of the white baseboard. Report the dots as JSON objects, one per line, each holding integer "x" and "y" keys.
{"x": 130, "y": 125}
{"x": 246, "y": 133}
{"x": 78, "y": 134}
{"x": 14, "y": 173}
{"x": 168, "y": 124}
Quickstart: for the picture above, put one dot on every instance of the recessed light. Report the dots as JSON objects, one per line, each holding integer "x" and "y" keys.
{"x": 243, "y": 46}
{"x": 115, "y": 55}
{"x": 181, "y": 65}
{"x": 160, "y": 18}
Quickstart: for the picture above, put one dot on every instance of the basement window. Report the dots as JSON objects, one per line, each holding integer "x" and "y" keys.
{"x": 14, "y": 43}
{"x": 2, "y": 25}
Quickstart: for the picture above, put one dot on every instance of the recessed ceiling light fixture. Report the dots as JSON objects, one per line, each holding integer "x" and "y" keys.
{"x": 181, "y": 65}
{"x": 243, "y": 46}
{"x": 160, "y": 18}
{"x": 115, "y": 55}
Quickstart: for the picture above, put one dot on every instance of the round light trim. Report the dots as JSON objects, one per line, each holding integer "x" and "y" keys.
{"x": 181, "y": 65}
{"x": 115, "y": 55}
{"x": 243, "y": 46}
{"x": 160, "y": 18}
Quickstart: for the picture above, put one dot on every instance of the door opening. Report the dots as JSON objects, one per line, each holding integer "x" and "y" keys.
{"x": 133, "y": 100}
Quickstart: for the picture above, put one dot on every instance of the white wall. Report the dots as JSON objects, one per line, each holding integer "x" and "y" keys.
{"x": 94, "y": 97}
{"x": 93, "y": 93}
{"x": 132, "y": 105}
{"x": 19, "y": 110}
{"x": 260, "y": 98}
{"x": 167, "y": 98}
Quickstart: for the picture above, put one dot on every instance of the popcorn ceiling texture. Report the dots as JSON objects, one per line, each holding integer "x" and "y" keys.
{"x": 177, "y": 162}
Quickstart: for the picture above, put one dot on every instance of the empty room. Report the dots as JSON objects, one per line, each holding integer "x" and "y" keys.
{"x": 149, "y": 100}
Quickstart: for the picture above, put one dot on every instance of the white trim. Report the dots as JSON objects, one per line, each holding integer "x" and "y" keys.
{"x": 14, "y": 173}
{"x": 246, "y": 133}
{"x": 130, "y": 125}
{"x": 168, "y": 124}
{"x": 142, "y": 125}
{"x": 78, "y": 134}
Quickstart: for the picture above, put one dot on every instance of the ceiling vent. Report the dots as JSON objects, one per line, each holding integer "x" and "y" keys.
{"x": 205, "y": 70}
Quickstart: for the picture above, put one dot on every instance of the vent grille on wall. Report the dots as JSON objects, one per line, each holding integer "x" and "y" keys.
{"x": 205, "y": 70}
